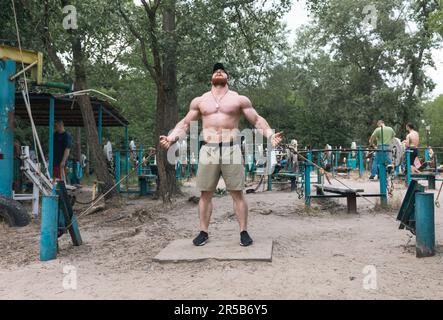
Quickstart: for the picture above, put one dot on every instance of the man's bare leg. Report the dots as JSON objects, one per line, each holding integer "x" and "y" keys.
{"x": 240, "y": 208}
{"x": 205, "y": 210}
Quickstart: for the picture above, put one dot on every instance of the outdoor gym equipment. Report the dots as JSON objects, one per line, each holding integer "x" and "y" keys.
{"x": 57, "y": 214}
{"x": 416, "y": 214}
{"x": 350, "y": 193}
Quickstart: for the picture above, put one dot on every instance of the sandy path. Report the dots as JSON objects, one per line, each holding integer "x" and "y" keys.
{"x": 320, "y": 254}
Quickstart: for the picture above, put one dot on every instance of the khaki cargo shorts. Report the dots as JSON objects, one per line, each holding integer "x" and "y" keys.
{"x": 225, "y": 161}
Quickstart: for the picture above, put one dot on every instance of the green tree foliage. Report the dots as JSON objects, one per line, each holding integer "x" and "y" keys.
{"x": 179, "y": 41}
{"x": 436, "y": 18}
{"x": 433, "y": 115}
{"x": 344, "y": 75}
{"x": 338, "y": 79}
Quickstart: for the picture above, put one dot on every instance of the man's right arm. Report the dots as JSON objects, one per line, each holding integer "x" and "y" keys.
{"x": 407, "y": 141}
{"x": 182, "y": 126}
{"x": 373, "y": 138}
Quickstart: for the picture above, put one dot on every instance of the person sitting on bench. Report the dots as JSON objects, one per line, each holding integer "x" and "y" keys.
{"x": 282, "y": 163}
{"x": 420, "y": 165}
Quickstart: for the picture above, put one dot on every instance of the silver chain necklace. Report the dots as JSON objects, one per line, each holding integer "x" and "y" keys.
{"x": 217, "y": 103}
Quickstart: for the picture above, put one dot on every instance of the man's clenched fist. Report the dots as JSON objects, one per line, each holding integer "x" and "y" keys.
{"x": 166, "y": 142}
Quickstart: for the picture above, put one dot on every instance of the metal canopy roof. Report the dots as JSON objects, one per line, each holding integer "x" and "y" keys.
{"x": 66, "y": 109}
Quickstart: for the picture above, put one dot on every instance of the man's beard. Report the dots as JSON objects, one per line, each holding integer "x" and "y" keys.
{"x": 219, "y": 81}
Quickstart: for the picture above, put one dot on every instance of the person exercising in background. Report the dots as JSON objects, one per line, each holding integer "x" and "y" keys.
{"x": 411, "y": 142}
{"x": 220, "y": 110}
{"x": 382, "y": 138}
{"x": 62, "y": 148}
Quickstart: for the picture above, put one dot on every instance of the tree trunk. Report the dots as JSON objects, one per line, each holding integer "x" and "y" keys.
{"x": 163, "y": 71}
{"x": 97, "y": 155}
{"x": 167, "y": 107}
{"x": 166, "y": 171}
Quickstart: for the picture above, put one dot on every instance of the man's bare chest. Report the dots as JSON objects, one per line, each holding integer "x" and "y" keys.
{"x": 210, "y": 106}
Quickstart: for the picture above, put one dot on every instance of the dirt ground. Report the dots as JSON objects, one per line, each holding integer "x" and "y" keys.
{"x": 321, "y": 253}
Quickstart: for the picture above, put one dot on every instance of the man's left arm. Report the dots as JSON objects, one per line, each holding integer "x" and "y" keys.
{"x": 259, "y": 122}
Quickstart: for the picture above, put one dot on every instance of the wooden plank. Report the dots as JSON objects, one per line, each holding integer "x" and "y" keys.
{"x": 221, "y": 248}
{"x": 338, "y": 190}
{"x": 426, "y": 174}
{"x": 288, "y": 174}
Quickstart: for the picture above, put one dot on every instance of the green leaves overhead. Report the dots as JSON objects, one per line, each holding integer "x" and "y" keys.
{"x": 341, "y": 76}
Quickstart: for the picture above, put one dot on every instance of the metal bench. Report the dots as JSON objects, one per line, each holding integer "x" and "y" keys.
{"x": 430, "y": 176}
{"x": 346, "y": 170}
{"x": 292, "y": 176}
{"x": 350, "y": 195}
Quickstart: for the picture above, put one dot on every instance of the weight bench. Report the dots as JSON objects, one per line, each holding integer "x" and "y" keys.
{"x": 430, "y": 176}
{"x": 349, "y": 194}
{"x": 292, "y": 176}
{"x": 346, "y": 170}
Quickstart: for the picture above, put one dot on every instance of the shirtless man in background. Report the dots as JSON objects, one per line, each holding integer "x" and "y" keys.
{"x": 220, "y": 110}
{"x": 411, "y": 142}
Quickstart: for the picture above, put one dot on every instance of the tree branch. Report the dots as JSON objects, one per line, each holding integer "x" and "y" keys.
{"x": 236, "y": 3}
{"x": 138, "y": 36}
{"x": 153, "y": 37}
{"x": 245, "y": 34}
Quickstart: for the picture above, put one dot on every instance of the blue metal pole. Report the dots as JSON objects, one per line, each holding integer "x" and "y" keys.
{"x": 188, "y": 168}
{"x": 51, "y": 135}
{"x": 7, "y": 102}
{"x": 269, "y": 167}
{"x": 336, "y": 159}
{"x": 408, "y": 167}
{"x": 100, "y": 125}
{"x": 383, "y": 182}
{"x": 308, "y": 180}
{"x": 424, "y": 223}
{"x": 49, "y": 227}
{"x": 177, "y": 170}
{"x": 318, "y": 170}
{"x": 117, "y": 170}
{"x": 127, "y": 157}
{"x": 427, "y": 154}
{"x": 140, "y": 159}
{"x": 360, "y": 162}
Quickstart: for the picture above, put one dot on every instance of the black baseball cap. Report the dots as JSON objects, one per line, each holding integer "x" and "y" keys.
{"x": 217, "y": 66}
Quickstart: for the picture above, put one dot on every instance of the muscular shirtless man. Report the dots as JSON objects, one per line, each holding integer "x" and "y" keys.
{"x": 411, "y": 142}
{"x": 220, "y": 110}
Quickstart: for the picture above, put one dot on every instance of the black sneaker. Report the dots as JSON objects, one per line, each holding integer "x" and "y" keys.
{"x": 371, "y": 177}
{"x": 245, "y": 239}
{"x": 201, "y": 239}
